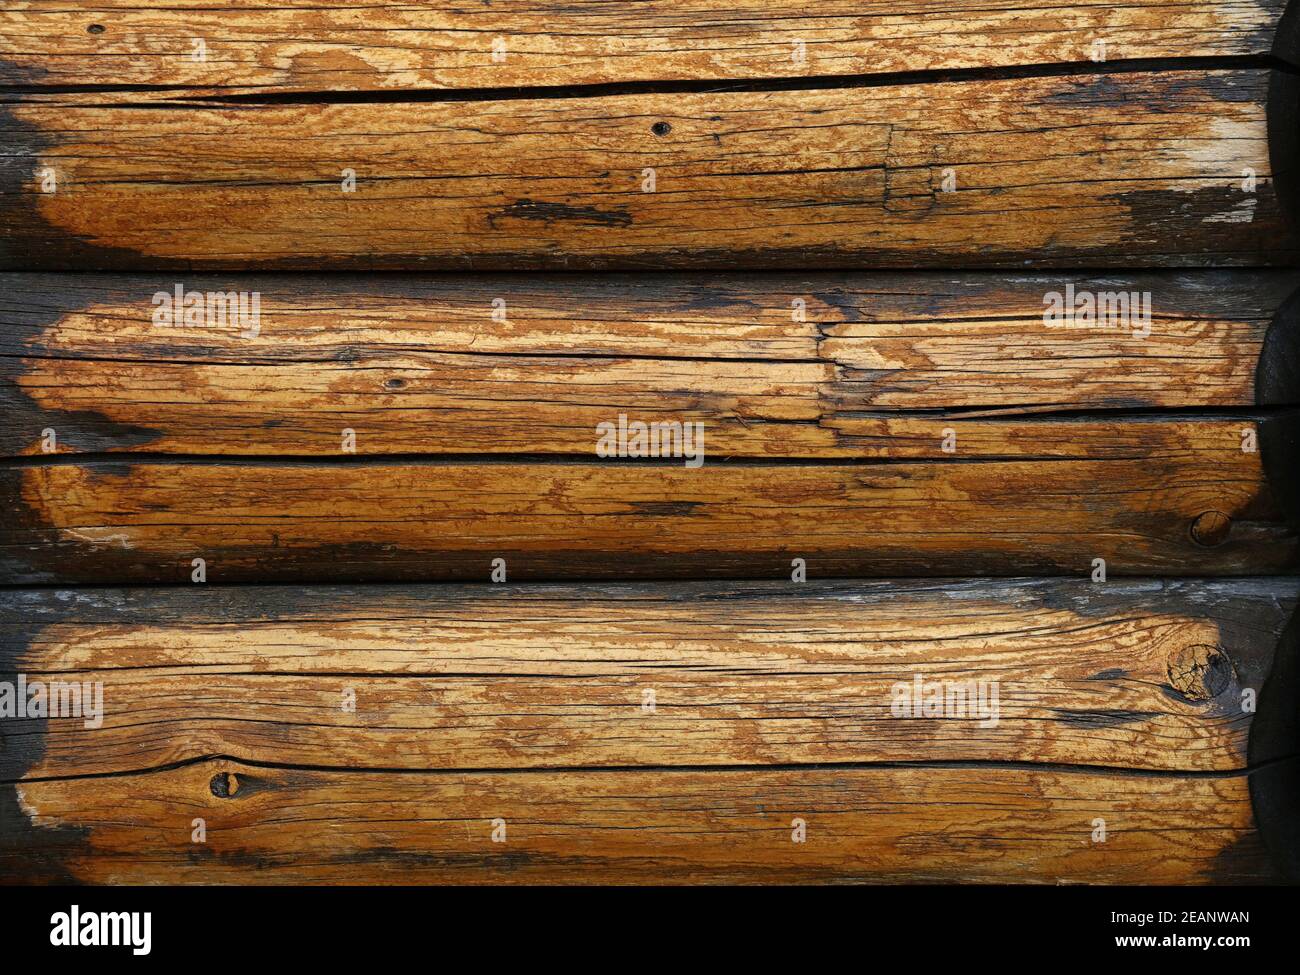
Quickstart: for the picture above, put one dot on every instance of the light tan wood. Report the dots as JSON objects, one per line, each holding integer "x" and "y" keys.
{"x": 301, "y": 45}
{"x": 147, "y": 521}
{"x": 1163, "y": 168}
{"x": 1139, "y": 675}
{"x": 946, "y": 825}
{"x": 784, "y": 366}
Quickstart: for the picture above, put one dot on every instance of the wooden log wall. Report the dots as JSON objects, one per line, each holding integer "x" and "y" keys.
{"x": 984, "y": 321}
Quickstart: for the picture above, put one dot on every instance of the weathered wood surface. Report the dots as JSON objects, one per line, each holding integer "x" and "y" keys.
{"x": 873, "y": 438}
{"x": 815, "y": 366}
{"x": 1129, "y": 674}
{"x": 304, "y": 45}
{"x": 1121, "y": 169}
{"x": 899, "y": 424}
{"x": 1124, "y": 702}
{"x": 888, "y": 825}
{"x": 1192, "y": 512}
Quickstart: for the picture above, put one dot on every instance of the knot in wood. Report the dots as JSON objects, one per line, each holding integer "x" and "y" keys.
{"x": 1211, "y": 528}
{"x": 1200, "y": 672}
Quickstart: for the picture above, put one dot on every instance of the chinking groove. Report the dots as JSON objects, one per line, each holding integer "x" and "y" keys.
{"x": 349, "y": 356}
{"x": 676, "y": 87}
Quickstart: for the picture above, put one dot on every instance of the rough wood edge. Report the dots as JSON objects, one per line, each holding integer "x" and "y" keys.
{"x": 1277, "y": 384}
{"x": 1282, "y": 111}
{"x": 1286, "y": 36}
{"x": 45, "y": 849}
{"x": 1274, "y": 743}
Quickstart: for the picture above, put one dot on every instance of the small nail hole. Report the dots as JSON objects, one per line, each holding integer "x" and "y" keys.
{"x": 95, "y": 29}
{"x": 661, "y": 128}
{"x": 395, "y": 383}
{"x": 224, "y": 785}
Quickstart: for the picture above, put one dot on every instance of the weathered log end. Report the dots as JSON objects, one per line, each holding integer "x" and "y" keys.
{"x": 27, "y": 238}
{"x": 1274, "y": 743}
{"x": 29, "y": 853}
{"x": 1286, "y": 36}
{"x": 1283, "y": 110}
{"x": 1277, "y": 377}
{"x": 1277, "y": 384}
{"x": 1284, "y": 118}
{"x": 19, "y": 221}
{"x": 1275, "y": 732}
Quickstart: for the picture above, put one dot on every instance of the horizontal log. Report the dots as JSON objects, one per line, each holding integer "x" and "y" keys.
{"x": 872, "y": 424}
{"x": 302, "y": 45}
{"x": 1117, "y": 169}
{"x": 902, "y": 824}
{"x": 1122, "y": 705}
{"x": 1159, "y": 676}
{"x": 1187, "y": 513}
{"x": 814, "y": 366}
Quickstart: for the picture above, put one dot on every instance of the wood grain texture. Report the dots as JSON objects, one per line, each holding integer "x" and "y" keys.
{"x": 898, "y": 424}
{"x": 895, "y": 825}
{"x": 302, "y": 45}
{"x": 525, "y": 704}
{"x": 1117, "y": 169}
{"x": 1131, "y": 674}
{"x": 871, "y": 365}
{"x": 145, "y": 521}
